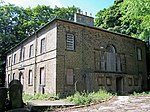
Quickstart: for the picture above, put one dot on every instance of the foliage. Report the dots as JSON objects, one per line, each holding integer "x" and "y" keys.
{"x": 126, "y": 17}
{"x": 85, "y": 98}
{"x": 16, "y": 23}
{"x": 141, "y": 94}
{"x": 27, "y": 97}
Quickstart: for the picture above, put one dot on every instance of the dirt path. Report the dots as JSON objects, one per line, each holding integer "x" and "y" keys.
{"x": 118, "y": 104}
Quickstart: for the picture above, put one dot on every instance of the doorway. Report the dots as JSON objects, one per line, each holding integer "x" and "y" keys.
{"x": 119, "y": 85}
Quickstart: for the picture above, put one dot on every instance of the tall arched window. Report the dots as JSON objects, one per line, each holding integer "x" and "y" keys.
{"x": 110, "y": 58}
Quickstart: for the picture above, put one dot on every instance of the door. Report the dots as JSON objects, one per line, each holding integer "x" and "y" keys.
{"x": 119, "y": 84}
{"x": 89, "y": 84}
{"x": 42, "y": 81}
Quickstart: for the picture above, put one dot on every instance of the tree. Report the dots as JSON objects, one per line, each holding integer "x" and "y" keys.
{"x": 127, "y": 17}
{"x": 139, "y": 13}
{"x": 16, "y": 23}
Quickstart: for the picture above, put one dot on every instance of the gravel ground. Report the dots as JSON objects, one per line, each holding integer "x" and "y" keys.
{"x": 116, "y": 104}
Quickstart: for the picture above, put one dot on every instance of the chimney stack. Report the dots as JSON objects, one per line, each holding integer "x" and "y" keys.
{"x": 79, "y": 17}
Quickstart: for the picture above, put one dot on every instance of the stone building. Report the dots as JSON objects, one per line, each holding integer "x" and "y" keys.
{"x": 66, "y": 56}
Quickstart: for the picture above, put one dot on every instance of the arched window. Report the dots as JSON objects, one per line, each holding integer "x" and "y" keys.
{"x": 110, "y": 58}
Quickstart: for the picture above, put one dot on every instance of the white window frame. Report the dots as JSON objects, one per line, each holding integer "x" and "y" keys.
{"x": 9, "y": 78}
{"x": 14, "y": 58}
{"x": 42, "y": 77}
{"x": 31, "y": 51}
{"x": 30, "y": 78}
{"x": 22, "y": 54}
{"x": 9, "y": 62}
{"x": 43, "y": 45}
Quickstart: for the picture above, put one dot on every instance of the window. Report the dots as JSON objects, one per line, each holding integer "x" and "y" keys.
{"x": 30, "y": 78}
{"x": 42, "y": 76}
{"x": 139, "y": 54}
{"x": 118, "y": 59}
{"x": 108, "y": 81}
{"x": 130, "y": 81}
{"x": 21, "y": 78}
{"x": 31, "y": 51}
{"x": 14, "y": 58}
{"x": 103, "y": 62}
{"x": 136, "y": 80}
{"x": 9, "y": 61}
{"x": 13, "y": 76}
{"x": 99, "y": 81}
{"x": 70, "y": 80}
{"x": 22, "y": 53}
{"x": 70, "y": 42}
{"x": 9, "y": 78}
{"x": 111, "y": 59}
{"x": 43, "y": 46}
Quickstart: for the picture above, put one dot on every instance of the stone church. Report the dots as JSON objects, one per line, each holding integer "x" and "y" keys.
{"x": 67, "y": 56}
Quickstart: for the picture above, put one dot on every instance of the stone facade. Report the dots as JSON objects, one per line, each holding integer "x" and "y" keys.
{"x": 78, "y": 57}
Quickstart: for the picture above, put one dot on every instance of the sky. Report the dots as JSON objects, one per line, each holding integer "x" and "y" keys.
{"x": 89, "y": 6}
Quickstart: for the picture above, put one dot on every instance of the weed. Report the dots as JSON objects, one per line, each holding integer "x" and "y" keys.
{"x": 85, "y": 98}
{"x": 27, "y": 97}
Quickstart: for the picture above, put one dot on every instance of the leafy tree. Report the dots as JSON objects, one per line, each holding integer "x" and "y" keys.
{"x": 127, "y": 17}
{"x": 109, "y": 18}
{"x": 16, "y": 23}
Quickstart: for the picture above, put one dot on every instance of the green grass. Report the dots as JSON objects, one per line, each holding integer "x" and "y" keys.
{"x": 86, "y": 98}
{"x": 27, "y": 97}
{"x": 83, "y": 98}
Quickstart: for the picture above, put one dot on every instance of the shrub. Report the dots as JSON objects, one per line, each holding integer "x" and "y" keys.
{"x": 141, "y": 93}
{"x": 85, "y": 98}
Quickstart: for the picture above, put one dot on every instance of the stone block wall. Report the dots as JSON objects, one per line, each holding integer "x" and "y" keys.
{"x": 81, "y": 60}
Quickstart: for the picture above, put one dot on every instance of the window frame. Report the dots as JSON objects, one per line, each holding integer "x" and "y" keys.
{"x": 31, "y": 51}
{"x": 9, "y": 78}
{"x": 130, "y": 80}
{"x": 9, "y": 62}
{"x": 40, "y": 81}
{"x": 68, "y": 78}
{"x": 108, "y": 81}
{"x": 30, "y": 78}
{"x": 14, "y": 59}
{"x": 136, "y": 81}
{"x": 70, "y": 47}
{"x": 139, "y": 54}
{"x": 22, "y": 53}
{"x": 43, "y": 47}
{"x": 100, "y": 81}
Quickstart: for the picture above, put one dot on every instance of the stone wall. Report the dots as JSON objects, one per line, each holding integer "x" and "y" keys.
{"x": 81, "y": 60}
{"x": 47, "y": 60}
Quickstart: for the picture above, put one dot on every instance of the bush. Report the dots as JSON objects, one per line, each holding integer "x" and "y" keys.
{"x": 85, "y": 98}
{"x": 27, "y": 97}
{"x": 141, "y": 93}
